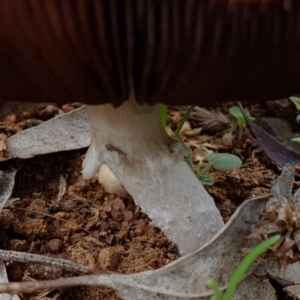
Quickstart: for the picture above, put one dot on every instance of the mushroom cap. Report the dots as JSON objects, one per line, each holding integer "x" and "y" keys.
{"x": 177, "y": 52}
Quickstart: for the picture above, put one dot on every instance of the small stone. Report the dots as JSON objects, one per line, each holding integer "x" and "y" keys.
{"x": 109, "y": 259}
{"x": 227, "y": 139}
{"x": 55, "y": 245}
{"x": 140, "y": 227}
{"x": 118, "y": 204}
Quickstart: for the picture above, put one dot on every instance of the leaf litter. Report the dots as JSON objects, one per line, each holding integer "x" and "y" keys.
{"x": 62, "y": 133}
{"x": 77, "y": 197}
{"x": 7, "y": 180}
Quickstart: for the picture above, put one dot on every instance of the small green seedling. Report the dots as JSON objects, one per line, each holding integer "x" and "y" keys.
{"x": 204, "y": 179}
{"x": 296, "y": 140}
{"x": 296, "y": 101}
{"x": 237, "y": 114}
{"x": 220, "y": 161}
{"x": 185, "y": 117}
{"x": 223, "y": 161}
{"x": 241, "y": 270}
{"x": 163, "y": 111}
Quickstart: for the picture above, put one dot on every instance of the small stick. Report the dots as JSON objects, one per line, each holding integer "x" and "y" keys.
{"x": 64, "y": 264}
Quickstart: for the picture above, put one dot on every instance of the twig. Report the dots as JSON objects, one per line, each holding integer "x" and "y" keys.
{"x": 24, "y": 257}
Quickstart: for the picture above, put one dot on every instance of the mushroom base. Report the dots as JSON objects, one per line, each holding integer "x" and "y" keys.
{"x": 150, "y": 165}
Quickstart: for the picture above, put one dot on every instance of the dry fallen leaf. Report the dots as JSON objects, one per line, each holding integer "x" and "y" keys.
{"x": 7, "y": 181}
{"x": 62, "y": 133}
{"x": 187, "y": 277}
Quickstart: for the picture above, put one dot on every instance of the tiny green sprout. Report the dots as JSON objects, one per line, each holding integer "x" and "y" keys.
{"x": 220, "y": 161}
{"x": 205, "y": 179}
{"x": 237, "y": 114}
{"x": 241, "y": 270}
{"x": 185, "y": 117}
{"x": 163, "y": 111}
{"x": 223, "y": 161}
{"x": 296, "y": 101}
{"x": 296, "y": 140}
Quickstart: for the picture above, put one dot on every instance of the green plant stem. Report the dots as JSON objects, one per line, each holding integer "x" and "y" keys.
{"x": 216, "y": 289}
{"x": 163, "y": 111}
{"x": 185, "y": 117}
{"x": 246, "y": 263}
{"x": 206, "y": 169}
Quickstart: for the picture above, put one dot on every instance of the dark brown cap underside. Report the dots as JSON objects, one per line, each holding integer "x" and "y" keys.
{"x": 171, "y": 51}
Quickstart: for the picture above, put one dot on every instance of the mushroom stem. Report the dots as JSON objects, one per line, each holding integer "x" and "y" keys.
{"x": 149, "y": 164}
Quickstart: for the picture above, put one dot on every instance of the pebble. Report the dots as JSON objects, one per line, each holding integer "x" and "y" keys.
{"x": 55, "y": 245}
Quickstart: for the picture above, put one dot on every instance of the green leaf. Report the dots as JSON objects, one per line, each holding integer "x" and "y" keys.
{"x": 246, "y": 263}
{"x": 205, "y": 180}
{"x": 185, "y": 117}
{"x": 237, "y": 114}
{"x": 163, "y": 111}
{"x": 296, "y": 101}
{"x": 242, "y": 269}
{"x": 296, "y": 140}
{"x": 224, "y": 161}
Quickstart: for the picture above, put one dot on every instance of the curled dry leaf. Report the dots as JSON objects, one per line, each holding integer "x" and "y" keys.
{"x": 66, "y": 132}
{"x": 3, "y": 278}
{"x": 282, "y": 215}
{"x": 273, "y": 148}
{"x": 293, "y": 291}
{"x": 185, "y": 278}
{"x": 7, "y": 181}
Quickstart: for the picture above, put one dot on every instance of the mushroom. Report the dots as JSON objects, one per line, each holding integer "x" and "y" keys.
{"x": 122, "y": 57}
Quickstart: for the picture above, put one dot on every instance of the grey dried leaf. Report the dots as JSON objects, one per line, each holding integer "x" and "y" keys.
{"x": 3, "y": 278}
{"x": 187, "y": 277}
{"x": 293, "y": 291}
{"x": 282, "y": 187}
{"x": 7, "y": 181}
{"x": 281, "y": 216}
{"x": 288, "y": 276}
{"x": 62, "y": 133}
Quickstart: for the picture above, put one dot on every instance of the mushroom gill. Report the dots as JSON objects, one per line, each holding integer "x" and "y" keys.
{"x": 178, "y": 52}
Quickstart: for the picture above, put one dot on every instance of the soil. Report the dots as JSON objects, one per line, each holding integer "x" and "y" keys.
{"x": 58, "y": 213}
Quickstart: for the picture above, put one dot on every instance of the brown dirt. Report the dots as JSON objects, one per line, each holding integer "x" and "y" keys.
{"x": 60, "y": 214}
